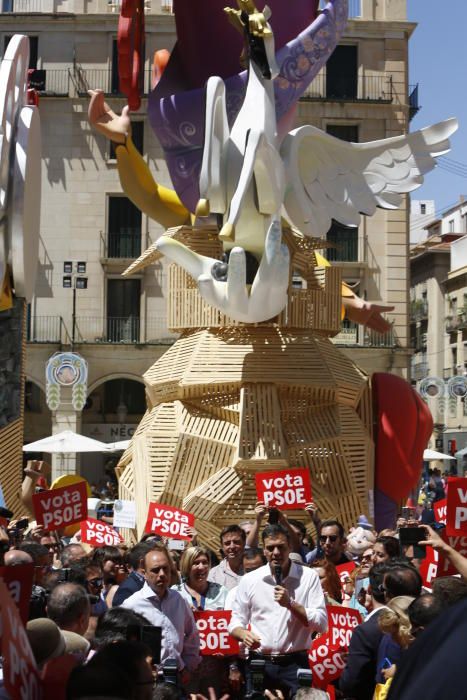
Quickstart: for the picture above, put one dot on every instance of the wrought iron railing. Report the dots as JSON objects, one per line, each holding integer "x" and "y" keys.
{"x": 354, "y": 335}
{"x": 418, "y": 309}
{"x": 346, "y": 249}
{"x": 130, "y": 329}
{"x": 46, "y": 329}
{"x": 50, "y": 81}
{"x": 123, "y": 244}
{"x": 368, "y": 88}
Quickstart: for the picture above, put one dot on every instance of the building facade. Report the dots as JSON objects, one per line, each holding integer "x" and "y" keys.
{"x": 438, "y": 324}
{"x": 90, "y": 231}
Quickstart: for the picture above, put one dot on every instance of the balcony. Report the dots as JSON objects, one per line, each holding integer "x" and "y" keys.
{"x": 346, "y": 244}
{"x": 418, "y": 310}
{"x": 123, "y": 245}
{"x": 153, "y": 7}
{"x": 46, "y": 329}
{"x": 104, "y": 79}
{"x": 50, "y": 82}
{"x": 370, "y": 88}
{"x": 130, "y": 330}
{"x": 419, "y": 370}
{"x": 354, "y": 335}
{"x": 456, "y": 322}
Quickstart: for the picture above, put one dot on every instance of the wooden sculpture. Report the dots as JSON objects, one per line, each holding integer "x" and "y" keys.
{"x": 228, "y": 399}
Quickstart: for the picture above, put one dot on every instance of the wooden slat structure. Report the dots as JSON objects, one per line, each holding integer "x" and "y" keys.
{"x": 229, "y": 399}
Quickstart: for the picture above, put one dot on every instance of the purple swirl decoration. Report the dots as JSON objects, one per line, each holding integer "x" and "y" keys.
{"x": 178, "y": 117}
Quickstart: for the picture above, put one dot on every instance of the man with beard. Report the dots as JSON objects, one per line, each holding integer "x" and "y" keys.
{"x": 277, "y": 609}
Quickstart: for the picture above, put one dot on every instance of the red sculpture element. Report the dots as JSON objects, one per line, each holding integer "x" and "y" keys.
{"x": 130, "y": 40}
{"x": 403, "y": 427}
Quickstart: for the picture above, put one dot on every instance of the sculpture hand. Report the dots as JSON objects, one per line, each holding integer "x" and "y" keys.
{"x": 103, "y": 119}
{"x": 268, "y": 295}
{"x": 367, "y": 314}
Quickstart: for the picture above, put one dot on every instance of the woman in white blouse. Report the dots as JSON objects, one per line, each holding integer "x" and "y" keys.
{"x": 200, "y": 593}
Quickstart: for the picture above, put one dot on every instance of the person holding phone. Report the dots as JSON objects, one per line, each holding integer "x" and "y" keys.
{"x": 166, "y": 608}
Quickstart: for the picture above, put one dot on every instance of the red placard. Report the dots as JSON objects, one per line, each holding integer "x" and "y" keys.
{"x": 20, "y": 674}
{"x": 18, "y": 580}
{"x": 324, "y": 655}
{"x": 60, "y": 507}
{"x": 286, "y": 489}
{"x": 99, "y": 534}
{"x": 169, "y": 522}
{"x": 214, "y": 637}
{"x": 440, "y": 510}
{"x": 344, "y": 571}
{"x": 445, "y": 568}
{"x": 456, "y": 521}
{"x": 429, "y": 567}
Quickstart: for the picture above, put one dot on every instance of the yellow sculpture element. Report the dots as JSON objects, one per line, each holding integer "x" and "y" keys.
{"x": 257, "y": 21}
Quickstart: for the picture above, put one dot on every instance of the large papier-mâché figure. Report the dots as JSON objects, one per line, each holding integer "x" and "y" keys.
{"x": 230, "y": 153}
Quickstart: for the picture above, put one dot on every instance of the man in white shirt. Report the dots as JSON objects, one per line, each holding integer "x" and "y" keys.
{"x": 229, "y": 572}
{"x": 284, "y": 604}
{"x": 168, "y": 610}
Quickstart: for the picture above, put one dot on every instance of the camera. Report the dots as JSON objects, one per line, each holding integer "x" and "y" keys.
{"x": 273, "y": 518}
{"x": 169, "y": 671}
{"x": 256, "y": 684}
{"x": 304, "y": 677}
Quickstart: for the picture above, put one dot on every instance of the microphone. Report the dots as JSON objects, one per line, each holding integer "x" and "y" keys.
{"x": 278, "y": 574}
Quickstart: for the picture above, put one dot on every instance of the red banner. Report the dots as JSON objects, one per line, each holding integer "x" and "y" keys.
{"x": 169, "y": 522}
{"x": 214, "y": 637}
{"x": 456, "y": 522}
{"x": 429, "y": 567}
{"x": 324, "y": 656}
{"x": 20, "y": 674}
{"x": 98, "y": 534}
{"x": 18, "y": 580}
{"x": 60, "y": 507}
{"x": 287, "y": 489}
{"x": 344, "y": 571}
{"x": 440, "y": 509}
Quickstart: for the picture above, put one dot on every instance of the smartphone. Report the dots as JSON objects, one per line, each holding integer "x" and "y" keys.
{"x": 178, "y": 545}
{"x": 22, "y": 524}
{"x": 387, "y": 663}
{"x": 152, "y": 637}
{"x": 273, "y": 516}
{"x": 410, "y": 537}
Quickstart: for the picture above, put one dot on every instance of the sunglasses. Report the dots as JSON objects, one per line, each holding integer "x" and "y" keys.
{"x": 325, "y": 538}
{"x": 96, "y": 582}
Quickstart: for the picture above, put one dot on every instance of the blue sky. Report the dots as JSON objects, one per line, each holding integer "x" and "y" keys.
{"x": 438, "y": 51}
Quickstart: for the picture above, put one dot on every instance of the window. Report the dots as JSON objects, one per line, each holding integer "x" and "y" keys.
{"x": 422, "y": 208}
{"x": 125, "y": 391}
{"x": 123, "y": 309}
{"x": 341, "y": 73}
{"x": 137, "y": 136}
{"x": 124, "y": 229}
{"x": 345, "y": 132}
{"x": 451, "y": 226}
{"x": 346, "y": 240}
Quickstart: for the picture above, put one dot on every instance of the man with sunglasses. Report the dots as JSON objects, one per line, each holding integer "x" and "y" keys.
{"x": 331, "y": 544}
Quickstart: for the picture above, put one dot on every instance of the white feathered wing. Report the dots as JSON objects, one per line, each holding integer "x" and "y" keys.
{"x": 328, "y": 178}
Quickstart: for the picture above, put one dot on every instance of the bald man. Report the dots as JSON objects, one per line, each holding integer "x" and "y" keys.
{"x": 15, "y": 557}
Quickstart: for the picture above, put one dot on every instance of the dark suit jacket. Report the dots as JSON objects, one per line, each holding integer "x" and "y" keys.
{"x": 130, "y": 585}
{"x": 358, "y": 677}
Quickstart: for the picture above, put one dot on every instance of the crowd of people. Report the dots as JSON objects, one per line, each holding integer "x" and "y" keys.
{"x": 124, "y": 619}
